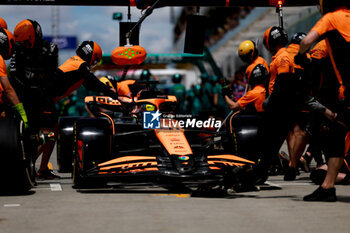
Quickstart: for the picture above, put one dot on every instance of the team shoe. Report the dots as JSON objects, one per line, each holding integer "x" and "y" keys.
{"x": 47, "y": 175}
{"x": 305, "y": 161}
{"x": 284, "y": 160}
{"x": 321, "y": 194}
{"x": 290, "y": 174}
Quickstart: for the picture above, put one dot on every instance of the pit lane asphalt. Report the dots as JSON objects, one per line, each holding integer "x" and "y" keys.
{"x": 54, "y": 207}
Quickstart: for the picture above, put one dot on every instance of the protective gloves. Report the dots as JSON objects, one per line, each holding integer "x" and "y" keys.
{"x": 314, "y": 105}
{"x": 20, "y": 109}
{"x": 302, "y": 60}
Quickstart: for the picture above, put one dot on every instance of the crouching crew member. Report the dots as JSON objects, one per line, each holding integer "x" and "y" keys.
{"x": 253, "y": 100}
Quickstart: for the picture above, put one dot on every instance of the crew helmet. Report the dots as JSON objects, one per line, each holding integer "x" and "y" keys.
{"x": 275, "y": 36}
{"x": 247, "y": 51}
{"x": 197, "y": 89}
{"x": 145, "y": 75}
{"x": 90, "y": 52}
{"x": 3, "y": 23}
{"x": 7, "y": 43}
{"x": 297, "y": 38}
{"x": 258, "y": 75}
{"x": 28, "y": 33}
{"x": 177, "y": 78}
{"x": 204, "y": 77}
{"x": 214, "y": 79}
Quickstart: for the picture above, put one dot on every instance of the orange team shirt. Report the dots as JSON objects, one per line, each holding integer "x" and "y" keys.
{"x": 293, "y": 50}
{"x": 72, "y": 64}
{"x": 280, "y": 63}
{"x": 338, "y": 20}
{"x": 257, "y": 61}
{"x": 319, "y": 51}
{"x": 256, "y": 96}
{"x": 3, "y": 73}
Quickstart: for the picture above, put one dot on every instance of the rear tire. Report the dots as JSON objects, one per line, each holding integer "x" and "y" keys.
{"x": 15, "y": 168}
{"x": 244, "y": 140}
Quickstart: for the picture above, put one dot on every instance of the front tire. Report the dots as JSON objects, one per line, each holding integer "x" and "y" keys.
{"x": 65, "y": 144}
{"x": 93, "y": 140}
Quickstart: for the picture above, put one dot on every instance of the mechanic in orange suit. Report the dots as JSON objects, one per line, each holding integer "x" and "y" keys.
{"x": 257, "y": 76}
{"x": 280, "y": 106}
{"x": 253, "y": 100}
{"x": 334, "y": 27}
{"x": 297, "y": 137}
{"x": 76, "y": 72}
{"x": 32, "y": 65}
{"x": 326, "y": 90}
{"x": 249, "y": 54}
{"x": 6, "y": 49}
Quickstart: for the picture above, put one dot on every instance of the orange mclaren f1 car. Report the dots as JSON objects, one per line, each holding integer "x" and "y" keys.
{"x": 115, "y": 145}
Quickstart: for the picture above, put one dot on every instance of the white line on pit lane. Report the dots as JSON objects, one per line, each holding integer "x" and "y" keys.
{"x": 12, "y": 205}
{"x": 55, "y": 187}
{"x": 288, "y": 184}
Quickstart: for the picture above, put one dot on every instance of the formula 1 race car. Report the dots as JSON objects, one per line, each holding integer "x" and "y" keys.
{"x": 115, "y": 146}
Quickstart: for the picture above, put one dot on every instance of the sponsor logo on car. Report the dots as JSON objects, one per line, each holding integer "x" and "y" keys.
{"x": 153, "y": 120}
{"x": 184, "y": 157}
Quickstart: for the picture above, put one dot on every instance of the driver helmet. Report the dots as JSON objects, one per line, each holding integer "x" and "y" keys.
{"x": 106, "y": 81}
